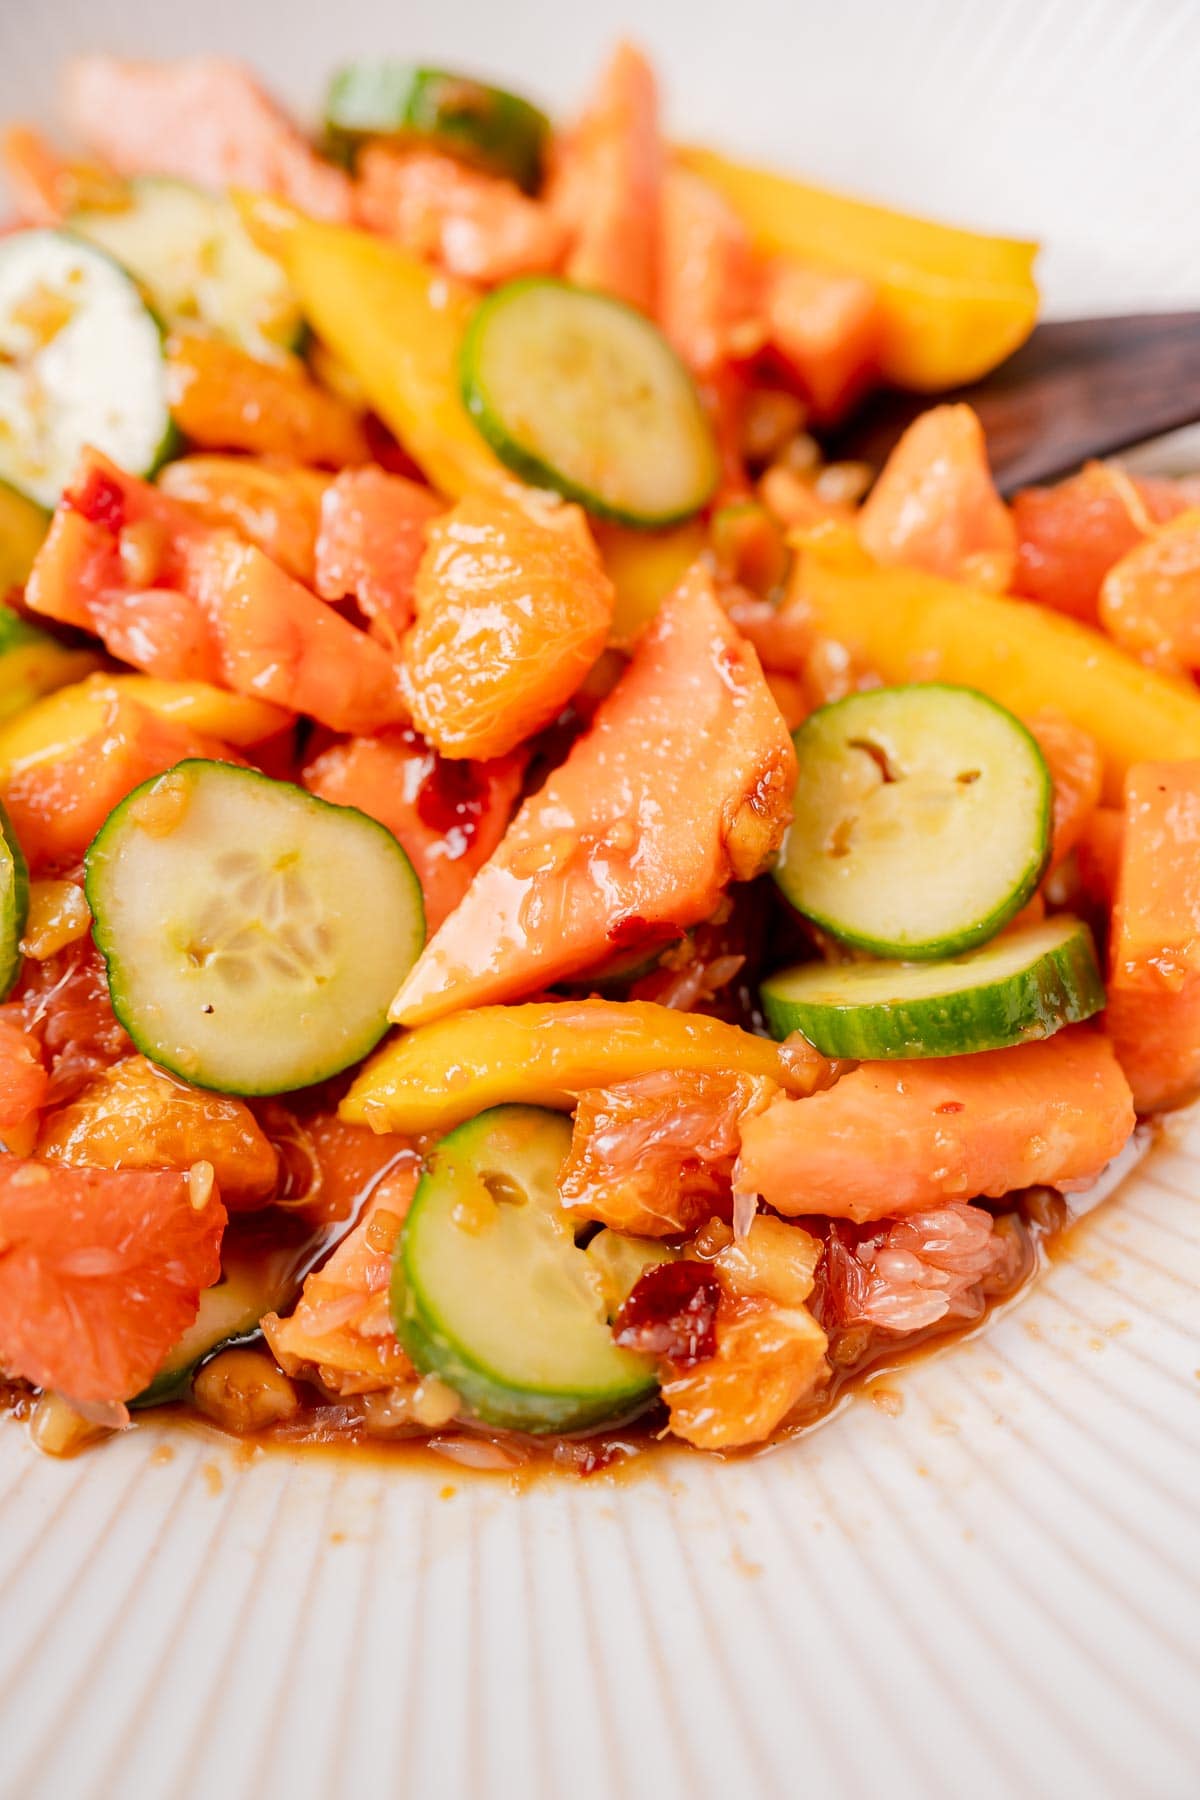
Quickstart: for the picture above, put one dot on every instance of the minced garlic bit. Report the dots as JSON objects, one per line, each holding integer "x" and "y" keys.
{"x": 434, "y": 1403}
{"x": 201, "y": 1179}
{"x": 58, "y": 915}
{"x": 60, "y": 1429}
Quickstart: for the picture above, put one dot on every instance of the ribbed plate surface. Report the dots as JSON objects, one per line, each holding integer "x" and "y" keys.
{"x": 994, "y": 1591}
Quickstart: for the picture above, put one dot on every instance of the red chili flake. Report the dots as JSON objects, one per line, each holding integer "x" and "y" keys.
{"x": 672, "y": 1312}
{"x": 631, "y": 931}
{"x": 951, "y": 1106}
{"x": 385, "y": 450}
{"x": 100, "y": 500}
{"x": 452, "y": 796}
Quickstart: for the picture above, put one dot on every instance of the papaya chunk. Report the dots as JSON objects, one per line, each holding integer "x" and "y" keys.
{"x": 110, "y": 533}
{"x": 1070, "y": 535}
{"x": 479, "y": 227}
{"x": 706, "y": 297}
{"x": 340, "y": 1328}
{"x": 607, "y": 188}
{"x": 891, "y": 1137}
{"x": 201, "y": 119}
{"x": 370, "y": 540}
{"x": 278, "y": 642}
{"x": 1153, "y": 1015}
{"x": 274, "y": 505}
{"x": 184, "y": 602}
{"x": 826, "y": 326}
{"x": 682, "y": 784}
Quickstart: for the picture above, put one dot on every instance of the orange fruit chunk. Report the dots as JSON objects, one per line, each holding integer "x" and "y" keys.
{"x": 935, "y": 506}
{"x": 135, "y": 1116}
{"x": 1070, "y": 535}
{"x": 513, "y": 608}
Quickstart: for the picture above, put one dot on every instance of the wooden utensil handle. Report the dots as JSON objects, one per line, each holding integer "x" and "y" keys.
{"x": 1079, "y": 388}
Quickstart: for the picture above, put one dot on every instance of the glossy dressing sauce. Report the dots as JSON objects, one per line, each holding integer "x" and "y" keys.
{"x": 1043, "y": 1224}
{"x": 1046, "y": 1226}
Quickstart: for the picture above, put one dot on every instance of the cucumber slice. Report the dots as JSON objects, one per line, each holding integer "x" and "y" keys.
{"x": 577, "y": 392}
{"x": 256, "y": 1278}
{"x": 34, "y": 664}
{"x": 486, "y": 126}
{"x": 1027, "y": 984}
{"x": 197, "y": 263}
{"x": 253, "y": 934}
{"x": 80, "y": 363}
{"x": 23, "y": 525}
{"x": 14, "y": 904}
{"x": 921, "y": 820}
{"x": 490, "y": 1291}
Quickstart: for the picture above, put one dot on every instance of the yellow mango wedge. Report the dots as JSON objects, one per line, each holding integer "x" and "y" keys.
{"x": 955, "y": 303}
{"x": 908, "y": 626}
{"x": 56, "y": 725}
{"x": 545, "y": 1053}
{"x": 33, "y": 663}
{"x": 644, "y": 567}
{"x": 396, "y": 324}
{"x": 23, "y": 525}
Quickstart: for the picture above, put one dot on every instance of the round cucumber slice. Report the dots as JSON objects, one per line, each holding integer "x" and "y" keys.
{"x": 253, "y": 934}
{"x": 14, "y": 904}
{"x": 197, "y": 263}
{"x": 577, "y": 392}
{"x": 921, "y": 820}
{"x": 486, "y": 126}
{"x": 80, "y": 363}
{"x": 491, "y": 1292}
{"x": 1027, "y": 984}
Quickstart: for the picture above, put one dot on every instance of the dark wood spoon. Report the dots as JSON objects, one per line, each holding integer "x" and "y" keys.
{"x": 1078, "y": 388}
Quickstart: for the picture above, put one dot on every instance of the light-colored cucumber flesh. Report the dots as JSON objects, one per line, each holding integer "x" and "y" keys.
{"x": 255, "y": 1279}
{"x": 486, "y": 126}
{"x": 577, "y": 392}
{"x": 253, "y": 934}
{"x": 80, "y": 363}
{"x": 491, "y": 1293}
{"x": 197, "y": 263}
{"x": 622, "y": 1260}
{"x": 14, "y": 904}
{"x": 23, "y": 525}
{"x": 1026, "y": 984}
{"x": 921, "y": 820}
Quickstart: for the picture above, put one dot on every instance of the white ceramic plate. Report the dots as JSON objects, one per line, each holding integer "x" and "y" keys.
{"x": 990, "y": 1586}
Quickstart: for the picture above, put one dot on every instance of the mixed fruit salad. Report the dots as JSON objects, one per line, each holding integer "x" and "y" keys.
{"x": 530, "y": 898}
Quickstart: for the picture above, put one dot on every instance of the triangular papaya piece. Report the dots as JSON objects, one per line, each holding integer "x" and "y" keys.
{"x": 682, "y": 784}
